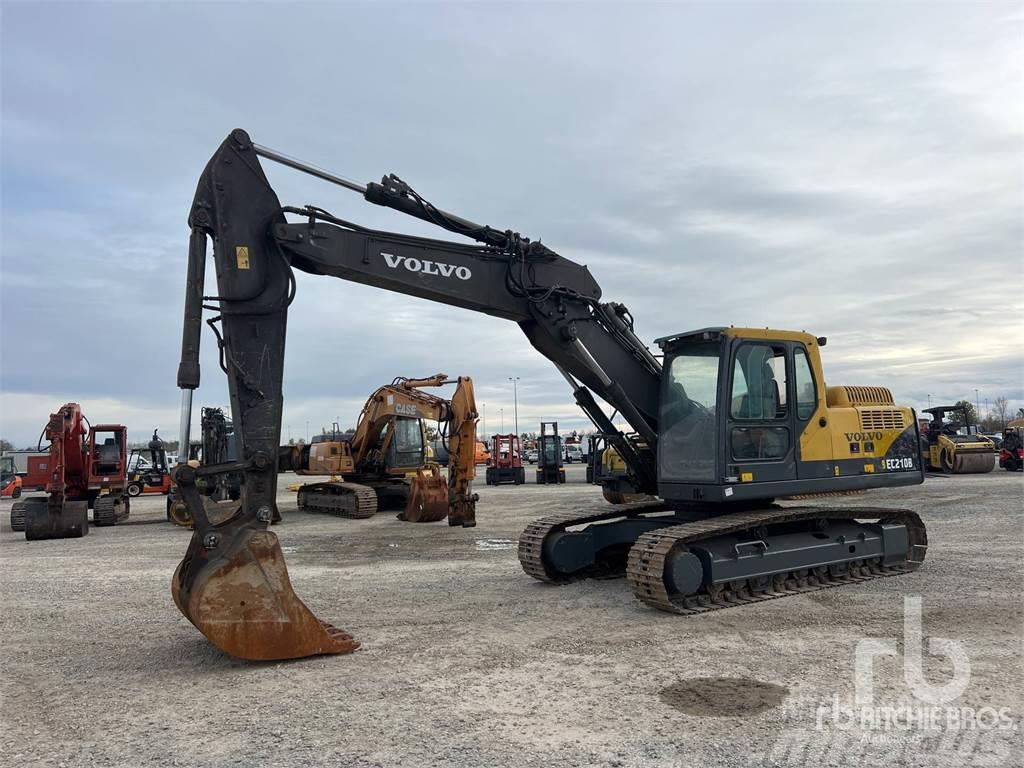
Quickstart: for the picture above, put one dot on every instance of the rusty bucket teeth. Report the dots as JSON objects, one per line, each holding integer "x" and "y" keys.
{"x": 238, "y": 594}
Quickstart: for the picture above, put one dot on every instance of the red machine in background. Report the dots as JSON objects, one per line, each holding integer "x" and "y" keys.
{"x": 506, "y": 462}
{"x": 1011, "y": 451}
{"x": 10, "y": 483}
{"x": 87, "y": 468}
{"x": 38, "y": 474}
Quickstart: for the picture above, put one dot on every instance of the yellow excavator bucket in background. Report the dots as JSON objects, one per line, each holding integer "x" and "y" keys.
{"x": 239, "y": 595}
{"x": 428, "y": 497}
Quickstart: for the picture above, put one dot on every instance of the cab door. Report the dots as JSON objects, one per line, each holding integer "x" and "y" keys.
{"x": 814, "y": 437}
{"x": 760, "y": 428}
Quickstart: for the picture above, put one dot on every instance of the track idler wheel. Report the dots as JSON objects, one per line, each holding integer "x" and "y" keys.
{"x": 233, "y": 586}
{"x": 44, "y": 520}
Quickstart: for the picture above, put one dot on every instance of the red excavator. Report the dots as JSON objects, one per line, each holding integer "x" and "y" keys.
{"x": 87, "y": 469}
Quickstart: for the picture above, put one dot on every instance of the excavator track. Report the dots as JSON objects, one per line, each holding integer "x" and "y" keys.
{"x": 18, "y": 514}
{"x": 109, "y": 510}
{"x": 650, "y": 555}
{"x": 341, "y": 499}
{"x": 531, "y": 540}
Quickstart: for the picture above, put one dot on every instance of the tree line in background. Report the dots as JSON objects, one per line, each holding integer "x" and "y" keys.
{"x": 996, "y": 419}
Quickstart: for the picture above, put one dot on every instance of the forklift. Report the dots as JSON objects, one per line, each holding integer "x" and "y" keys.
{"x": 10, "y": 482}
{"x": 549, "y": 455}
{"x": 155, "y": 477}
{"x": 506, "y": 462}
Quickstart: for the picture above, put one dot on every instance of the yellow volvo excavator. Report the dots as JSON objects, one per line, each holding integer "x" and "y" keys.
{"x": 388, "y": 445}
{"x": 721, "y": 423}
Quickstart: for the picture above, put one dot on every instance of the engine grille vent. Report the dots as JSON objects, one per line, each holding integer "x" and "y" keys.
{"x": 869, "y": 395}
{"x": 873, "y": 419}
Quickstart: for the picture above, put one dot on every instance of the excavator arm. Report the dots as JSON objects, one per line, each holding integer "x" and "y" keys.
{"x": 233, "y": 583}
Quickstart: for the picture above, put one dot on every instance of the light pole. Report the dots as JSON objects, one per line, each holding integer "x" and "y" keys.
{"x": 515, "y": 400}
{"x": 501, "y": 415}
{"x": 977, "y": 406}
{"x": 307, "y": 433}
{"x": 929, "y": 401}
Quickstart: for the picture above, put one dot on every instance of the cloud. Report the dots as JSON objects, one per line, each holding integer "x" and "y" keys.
{"x": 853, "y": 171}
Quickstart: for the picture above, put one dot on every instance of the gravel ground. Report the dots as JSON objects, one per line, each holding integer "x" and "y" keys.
{"x": 468, "y": 662}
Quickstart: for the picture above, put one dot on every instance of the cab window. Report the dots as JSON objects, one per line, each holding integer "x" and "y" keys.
{"x": 687, "y": 440}
{"x": 806, "y": 394}
{"x": 406, "y": 449}
{"x": 408, "y": 435}
{"x": 759, "y": 383}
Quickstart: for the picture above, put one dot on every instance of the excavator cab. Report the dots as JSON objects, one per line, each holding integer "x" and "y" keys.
{"x": 406, "y": 449}
{"x": 745, "y": 414}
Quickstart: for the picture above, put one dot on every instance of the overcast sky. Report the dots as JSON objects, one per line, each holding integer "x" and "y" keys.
{"x": 853, "y": 170}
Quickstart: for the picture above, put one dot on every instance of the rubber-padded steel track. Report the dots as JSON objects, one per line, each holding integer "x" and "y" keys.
{"x": 531, "y": 540}
{"x": 647, "y": 559}
{"x": 649, "y": 556}
{"x": 350, "y": 500}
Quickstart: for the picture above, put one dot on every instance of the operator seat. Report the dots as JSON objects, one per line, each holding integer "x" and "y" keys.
{"x": 108, "y": 456}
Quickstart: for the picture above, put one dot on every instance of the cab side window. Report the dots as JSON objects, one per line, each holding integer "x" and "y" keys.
{"x": 806, "y": 395}
{"x": 759, "y": 383}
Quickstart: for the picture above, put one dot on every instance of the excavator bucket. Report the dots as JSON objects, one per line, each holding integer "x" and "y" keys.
{"x": 234, "y": 587}
{"x": 54, "y": 519}
{"x": 428, "y": 498}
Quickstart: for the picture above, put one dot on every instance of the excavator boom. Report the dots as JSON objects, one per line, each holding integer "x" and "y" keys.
{"x": 231, "y": 563}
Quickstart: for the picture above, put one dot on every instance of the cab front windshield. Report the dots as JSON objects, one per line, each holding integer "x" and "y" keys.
{"x": 688, "y": 438}
{"x": 407, "y": 445}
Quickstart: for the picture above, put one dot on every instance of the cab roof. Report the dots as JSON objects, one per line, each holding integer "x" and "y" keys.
{"x": 712, "y": 333}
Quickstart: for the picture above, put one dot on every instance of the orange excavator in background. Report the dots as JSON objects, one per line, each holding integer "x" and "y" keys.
{"x": 369, "y": 466}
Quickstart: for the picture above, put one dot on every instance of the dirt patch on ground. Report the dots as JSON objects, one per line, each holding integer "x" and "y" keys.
{"x": 722, "y": 696}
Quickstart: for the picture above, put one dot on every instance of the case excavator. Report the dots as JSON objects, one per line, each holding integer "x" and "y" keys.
{"x": 726, "y": 419}
{"x": 388, "y": 445}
